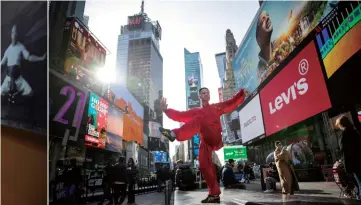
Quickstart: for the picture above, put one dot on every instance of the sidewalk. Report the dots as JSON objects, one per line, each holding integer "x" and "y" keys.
{"x": 146, "y": 199}
{"x": 312, "y": 193}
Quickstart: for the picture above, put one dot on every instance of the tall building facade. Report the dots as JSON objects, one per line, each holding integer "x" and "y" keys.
{"x": 228, "y": 90}
{"x": 194, "y": 81}
{"x": 221, "y": 66}
{"x": 221, "y": 62}
{"x": 139, "y": 64}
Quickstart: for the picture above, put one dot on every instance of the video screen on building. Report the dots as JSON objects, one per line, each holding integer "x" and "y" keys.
{"x": 23, "y": 81}
{"x": 296, "y": 93}
{"x": 277, "y": 29}
{"x": 84, "y": 56}
{"x": 133, "y": 112}
{"x": 251, "y": 120}
{"x": 96, "y": 132}
{"x": 67, "y": 107}
{"x": 341, "y": 29}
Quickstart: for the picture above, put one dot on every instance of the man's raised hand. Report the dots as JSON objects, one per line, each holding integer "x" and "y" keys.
{"x": 246, "y": 92}
{"x": 163, "y": 104}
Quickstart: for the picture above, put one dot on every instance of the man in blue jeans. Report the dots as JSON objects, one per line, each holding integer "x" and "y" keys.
{"x": 350, "y": 141}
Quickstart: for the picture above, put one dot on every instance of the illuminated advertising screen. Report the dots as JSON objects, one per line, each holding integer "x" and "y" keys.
{"x": 296, "y": 93}
{"x": 135, "y": 22}
{"x": 114, "y": 129}
{"x": 85, "y": 56}
{"x": 237, "y": 152}
{"x": 96, "y": 133}
{"x": 195, "y": 146}
{"x": 67, "y": 108}
{"x": 24, "y": 65}
{"x": 154, "y": 129}
{"x": 277, "y": 29}
{"x": 339, "y": 35}
{"x": 133, "y": 113}
{"x": 160, "y": 157}
{"x": 251, "y": 120}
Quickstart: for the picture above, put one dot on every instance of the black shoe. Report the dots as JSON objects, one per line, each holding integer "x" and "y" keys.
{"x": 211, "y": 199}
{"x": 167, "y": 133}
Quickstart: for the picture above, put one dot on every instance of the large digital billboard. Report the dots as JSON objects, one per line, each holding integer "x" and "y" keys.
{"x": 296, "y": 93}
{"x": 135, "y": 22}
{"x": 251, "y": 120}
{"x": 96, "y": 133}
{"x": 114, "y": 129}
{"x": 192, "y": 78}
{"x": 133, "y": 112}
{"x": 85, "y": 55}
{"x": 237, "y": 152}
{"x": 278, "y": 28}
{"x": 24, "y": 65}
{"x": 339, "y": 35}
{"x": 67, "y": 108}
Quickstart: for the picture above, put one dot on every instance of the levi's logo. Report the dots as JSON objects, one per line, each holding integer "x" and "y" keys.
{"x": 249, "y": 121}
{"x": 298, "y": 88}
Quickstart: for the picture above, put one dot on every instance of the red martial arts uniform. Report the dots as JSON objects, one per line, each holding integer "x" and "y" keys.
{"x": 206, "y": 122}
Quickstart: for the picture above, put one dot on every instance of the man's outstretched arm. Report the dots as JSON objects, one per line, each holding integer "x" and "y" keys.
{"x": 231, "y": 104}
{"x": 181, "y": 116}
{"x": 31, "y": 57}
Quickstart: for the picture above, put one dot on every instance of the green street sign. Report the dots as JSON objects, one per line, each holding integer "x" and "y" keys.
{"x": 235, "y": 152}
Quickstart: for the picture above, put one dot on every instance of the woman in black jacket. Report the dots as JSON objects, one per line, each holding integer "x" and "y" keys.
{"x": 350, "y": 141}
{"x": 132, "y": 172}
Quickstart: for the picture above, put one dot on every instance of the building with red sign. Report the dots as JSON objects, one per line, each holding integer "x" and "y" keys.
{"x": 301, "y": 84}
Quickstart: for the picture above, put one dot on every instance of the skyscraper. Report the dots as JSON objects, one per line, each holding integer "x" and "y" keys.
{"x": 221, "y": 66}
{"x": 194, "y": 81}
{"x": 139, "y": 64}
{"x": 229, "y": 87}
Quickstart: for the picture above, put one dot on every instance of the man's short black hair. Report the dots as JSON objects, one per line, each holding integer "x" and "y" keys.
{"x": 204, "y": 88}
{"x": 230, "y": 161}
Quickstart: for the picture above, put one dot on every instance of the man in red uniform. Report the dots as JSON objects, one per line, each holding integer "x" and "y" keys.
{"x": 205, "y": 121}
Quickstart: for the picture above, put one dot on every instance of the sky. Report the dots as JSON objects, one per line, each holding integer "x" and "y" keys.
{"x": 200, "y": 26}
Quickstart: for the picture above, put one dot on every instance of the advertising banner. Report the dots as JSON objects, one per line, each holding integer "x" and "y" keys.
{"x": 296, "y": 93}
{"x": 133, "y": 113}
{"x": 67, "y": 104}
{"x": 251, "y": 120}
{"x": 196, "y": 146}
{"x": 96, "y": 134}
{"x": 235, "y": 152}
{"x": 24, "y": 65}
{"x": 160, "y": 157}
{"x": 193, "y": 86}
{"x": 114, "y": 129}
{"x": 154, "y": 130}
{"x": 339, "y": 30}
{"x": 278, "y": 28}
{"x": 85, "y": 55}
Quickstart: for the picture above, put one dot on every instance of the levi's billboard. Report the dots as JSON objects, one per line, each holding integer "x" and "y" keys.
{"x": 296, "y": 93}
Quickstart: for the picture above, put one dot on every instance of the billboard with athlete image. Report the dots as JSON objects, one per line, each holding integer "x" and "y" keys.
{"x": 24, "y": 65}
{"x": 277, "y": 29}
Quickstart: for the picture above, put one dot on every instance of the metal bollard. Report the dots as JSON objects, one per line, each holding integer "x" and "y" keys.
{"x": 168, "y": 191}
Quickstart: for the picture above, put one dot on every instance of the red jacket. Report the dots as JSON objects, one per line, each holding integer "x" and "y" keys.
{"x": 210, "y": 114}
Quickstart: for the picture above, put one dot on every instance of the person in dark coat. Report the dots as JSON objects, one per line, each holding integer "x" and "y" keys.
{"x": 120, "y": 181}
{"x": 107, "y": 183}
{"x": 350, "y": 141}
{"x": 228, "y": 177}
{"x": 73, "y": 178}
{"x": 132, "y": 178}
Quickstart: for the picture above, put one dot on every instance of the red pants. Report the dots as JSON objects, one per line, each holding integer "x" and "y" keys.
{"x": 208, "y": 170}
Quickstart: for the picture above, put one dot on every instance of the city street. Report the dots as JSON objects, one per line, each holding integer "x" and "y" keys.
{"x": 312, "y": 193}
{"x": 154, "y": 198}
